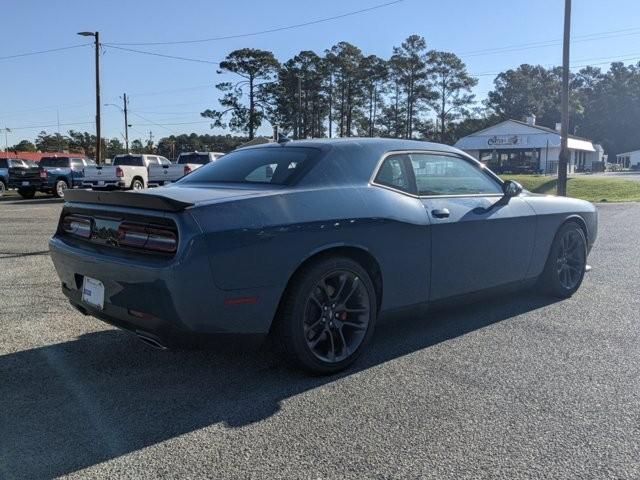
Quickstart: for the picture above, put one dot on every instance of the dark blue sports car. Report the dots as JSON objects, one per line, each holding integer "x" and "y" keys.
{"x": 310, "y": 241}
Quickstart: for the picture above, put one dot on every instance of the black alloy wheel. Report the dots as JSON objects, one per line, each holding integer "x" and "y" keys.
{"x": 337, "y": 316}
{"x": 567, "y": 262}
{"x": 327, "y": 315}
{"x": 570, "y": 261}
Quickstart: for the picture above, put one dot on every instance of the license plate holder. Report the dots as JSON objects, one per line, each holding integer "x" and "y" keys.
{"x": 93, "y": 292}
{"x": 25, "y": 183}
{"x": 100, "y": 182}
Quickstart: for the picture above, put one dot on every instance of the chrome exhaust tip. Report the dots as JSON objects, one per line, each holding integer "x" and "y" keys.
{"x": 150, "y": 340}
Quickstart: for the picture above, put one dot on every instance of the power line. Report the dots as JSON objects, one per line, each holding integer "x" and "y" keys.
{"x": 151, "y": 122}
{"x": 575, "y": 65}
{"x": 51, "y": 125}
{"x": 39, "y": 52}
{"x": 551, "y": 43}
{"x": 271, "y": 30}
{"x": 173, "y": 57}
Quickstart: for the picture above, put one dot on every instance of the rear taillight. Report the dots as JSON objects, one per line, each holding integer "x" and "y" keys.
{"x": 119, "y": 172}
{"x": 43, "y": 174}
{"x": 187, "y": 169}
{"x": 147, "y": 237}
{"x": 76, "y": 225}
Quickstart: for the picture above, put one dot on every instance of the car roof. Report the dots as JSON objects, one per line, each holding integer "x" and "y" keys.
{"x": 387, "y": 144}
{"x": 348, "y": 161}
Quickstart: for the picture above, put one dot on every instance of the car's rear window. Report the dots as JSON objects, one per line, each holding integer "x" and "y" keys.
{"x": 270, "y": 165}
{"x": 129, "y": 161}
{"x": 197, "y": 158}
{"x": 58, "y": 162}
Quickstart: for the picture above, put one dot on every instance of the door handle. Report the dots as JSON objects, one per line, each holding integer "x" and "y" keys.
{"x": 440, "y": 212}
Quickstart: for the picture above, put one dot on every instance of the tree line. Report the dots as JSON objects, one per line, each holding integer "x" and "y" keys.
{"x": 416, "y": 92}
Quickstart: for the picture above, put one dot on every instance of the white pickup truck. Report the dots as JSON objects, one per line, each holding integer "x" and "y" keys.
{"x": 187, "y": 162}
{"x": 129, "y": 171}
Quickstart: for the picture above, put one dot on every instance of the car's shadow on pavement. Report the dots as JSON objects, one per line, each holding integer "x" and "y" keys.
{"x": 34, "y": 201}
{"x": 72, "y": 405}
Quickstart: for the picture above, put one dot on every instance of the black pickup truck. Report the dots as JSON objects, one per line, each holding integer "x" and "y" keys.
{"x": 18, "y": 174}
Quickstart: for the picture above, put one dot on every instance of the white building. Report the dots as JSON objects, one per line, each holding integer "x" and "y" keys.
{"x": 629, "y": 159}
{"x": 513, "y": 146}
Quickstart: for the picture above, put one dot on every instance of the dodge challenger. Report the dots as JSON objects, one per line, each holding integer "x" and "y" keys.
{"x": 309, "y": 242}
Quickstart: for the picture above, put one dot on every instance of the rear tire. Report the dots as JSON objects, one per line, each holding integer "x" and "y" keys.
{"x": 27, "y": 193}
{"x": 3, "y": 188}
{"x": 60, "y": 187}
{"x": 137, "y": 184}
{"x": 327, "y": 316}
{"x": 566, "y": 264}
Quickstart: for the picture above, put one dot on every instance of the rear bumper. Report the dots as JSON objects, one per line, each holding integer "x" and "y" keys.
{"x": 175, "y": 300}
{"x": 103, "y": 184}
{"x": 19, "y": 184}
{"x": 159, "y": 183}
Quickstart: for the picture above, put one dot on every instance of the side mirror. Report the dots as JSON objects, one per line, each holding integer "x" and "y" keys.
{"x": 511, "y": 188}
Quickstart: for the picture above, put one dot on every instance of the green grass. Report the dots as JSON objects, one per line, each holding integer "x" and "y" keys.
{"x": 591, "y": 189}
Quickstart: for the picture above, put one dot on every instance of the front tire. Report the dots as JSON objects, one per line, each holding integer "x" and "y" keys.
{"x": 567, "y": 261}
{"x": 27, "y": 193}
{"x": 328, "y": 315}
{"x": 3, "y": 189}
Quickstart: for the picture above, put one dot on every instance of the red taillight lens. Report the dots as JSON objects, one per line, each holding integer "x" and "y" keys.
{"x": 147, "y": 237}
{"x": 119, "y": 172}
{"x": 43, "y": 174}
{"x": 78, "y": 226}
{"x": 187, "y": 169}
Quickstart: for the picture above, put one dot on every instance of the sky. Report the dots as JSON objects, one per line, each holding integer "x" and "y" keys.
{"x": 167, "y": 95}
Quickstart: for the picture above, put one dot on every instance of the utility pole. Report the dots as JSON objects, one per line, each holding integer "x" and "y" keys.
{"x": 299, "y": 122}
{"x": 96, "y": 35}
{"x": 564, "y": 127}
{"x": 126, "y": 122}
{"x": 59, "y": 136}
{"x": 6, "y": 141}
{"x": 150, "y": 145}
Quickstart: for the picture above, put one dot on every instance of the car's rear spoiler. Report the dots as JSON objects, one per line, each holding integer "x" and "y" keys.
{"x": 127, "y": 199}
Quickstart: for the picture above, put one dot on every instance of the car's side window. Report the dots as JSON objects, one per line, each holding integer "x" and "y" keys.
{"x": 76, "y": 163}
{"x": 449, "y": 175}
{"x": 3, "y": 163}
{"x": 395, "y": 173}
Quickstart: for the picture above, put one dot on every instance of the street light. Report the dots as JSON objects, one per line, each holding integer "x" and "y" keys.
{"x": 96, "y": 35}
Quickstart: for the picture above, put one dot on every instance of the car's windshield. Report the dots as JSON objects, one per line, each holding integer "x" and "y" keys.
{"x": 128, "y": 160}
{"x": 58, "y": 162}
{"x": 275, "y": 166}
{"x": 16, "y": 163}
{"x": 197, "y": 158}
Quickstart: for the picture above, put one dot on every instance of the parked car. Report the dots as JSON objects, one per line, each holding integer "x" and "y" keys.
{"x": 310, "y": 242}
{"x": 16, "y": 173}
{"x": 129, "y": 171}
{"x": 186, "y": 163}
{"x": 62, "y": 173}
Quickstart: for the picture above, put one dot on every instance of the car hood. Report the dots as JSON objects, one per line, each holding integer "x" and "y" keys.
{"x": 205, "y": 194}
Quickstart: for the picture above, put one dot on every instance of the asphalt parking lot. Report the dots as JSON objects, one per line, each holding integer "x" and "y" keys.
{"x": 515, "y": 387}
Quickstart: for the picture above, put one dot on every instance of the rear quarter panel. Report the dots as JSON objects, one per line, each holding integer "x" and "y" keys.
{"x": 260, "y": 242}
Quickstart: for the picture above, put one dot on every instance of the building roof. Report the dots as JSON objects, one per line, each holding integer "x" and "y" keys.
{"x": 627, "y": 153}
{"x": 37, "y": 156}
{"x": 522, "y": 138}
